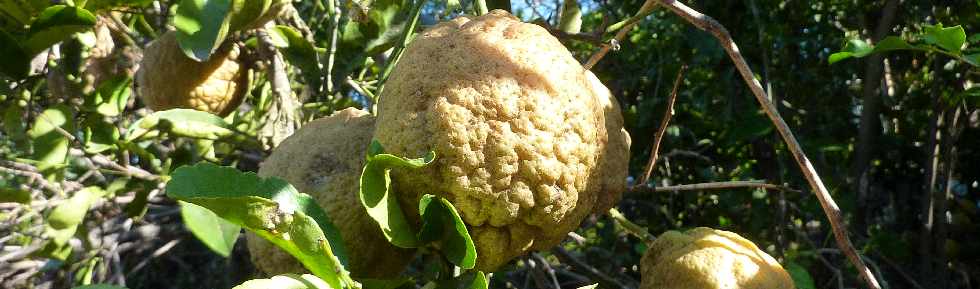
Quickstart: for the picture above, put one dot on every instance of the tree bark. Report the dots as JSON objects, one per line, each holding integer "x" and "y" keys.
{"x": 870, "y": 127}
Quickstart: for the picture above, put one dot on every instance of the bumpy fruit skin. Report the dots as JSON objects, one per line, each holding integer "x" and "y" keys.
{"x": 169, "y": 79}
{"x": 705, "y": 258}
{"x": 324, "y": 159}
{"x": 518, "y": 127}
{"x": 614, "y": 161}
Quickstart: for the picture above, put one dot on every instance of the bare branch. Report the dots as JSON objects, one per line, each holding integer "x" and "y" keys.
{"x": 712, "y": 186}
{"x": 624, "y": 28}
{"x": 655, "y": 148}
{"x": 830, "y": 207}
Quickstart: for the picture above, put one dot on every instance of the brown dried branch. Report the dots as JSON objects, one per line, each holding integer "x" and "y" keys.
{"x": 655, "y": 147}
{"x": 624, "y": 28}
{"x": 713, "y": 186}
{"x": 283, "y": 118}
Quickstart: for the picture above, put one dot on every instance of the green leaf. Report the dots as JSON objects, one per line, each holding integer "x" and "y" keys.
{"x": 949, "y": 38}
{"x": 213, "y": 231}
{"x": 201, "y": 26}
{"x": 299, "y": 52}
{"x": 377, "y": 197}
{"x": 99, "y": 135}
{"x": 800, "y": 276}
{"x": 892, "y": 43}
{"x": 100, "y": 286}
{"x": 471, "y": 280}
{"x": 972, "y": 59}
{"x": 55, "y": 24}
{"x": 286, "y": 281}
{"x": 111, "y": 97}
{"x": 442, "y": 223}
{"x": 180, "y": 122}
{"x": 975, "y": 38}
{"x": 50, "y": 144}
{"x": 853, "y": 48}
{"x": 14, "y": 195}
{"x": 272, "y": 209}
{"x": 61, "y": 224}
{"x": 593, "y": 286}
{"x": 385, "y": 22}
{"x": 14, "y": 126}
{"x": 17, "y": 61}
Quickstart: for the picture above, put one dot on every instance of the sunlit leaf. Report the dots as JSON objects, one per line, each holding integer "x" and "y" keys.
{"x": 377, "y": 197}
{"x": 202, "y": 26}
{"x": 55, "y": 24}
{"x": 272, "y": 209}
{"x": 949, "y": 38}
{"x": 213, "y": 231}
{"x": 49, "y": 136}
{"x": 180, "y": 122}
{"x": 286, "y": 281}
{"x": 442, "y": 223}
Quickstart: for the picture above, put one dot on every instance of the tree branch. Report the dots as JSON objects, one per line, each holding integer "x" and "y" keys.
{"x": 712, "y": 186}
{"x": 830, "y": 207}
{"x": 655, "y": 148}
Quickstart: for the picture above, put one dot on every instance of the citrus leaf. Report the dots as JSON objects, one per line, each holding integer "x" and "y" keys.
{"x": 111, "y": 97}
{"x": 272, "y": 209}
{"x": 57, "y": 23}
{"x": 299, "y": 52}
{"x": 50, "y": 144}
{"x": 442, "y": 223}
{"x": 99, "y": 135}
{"x": 853, "y": 48}
{"x": 948, "y": 38}
{"x": 892, "y": 43}
{"x": 14, "y": 195}
{"x": 202, "y": 26}
{"x": 213, "y": 231}
{"x": 377, "y": 198}
{"x": 180, "y": 122}
{"x": 800, "y": 276}
{"x": 471, "y": 280}
{"x": 61, "y": 224}
{"x": 286, "y": 281}
{"x": 17, "y": 60}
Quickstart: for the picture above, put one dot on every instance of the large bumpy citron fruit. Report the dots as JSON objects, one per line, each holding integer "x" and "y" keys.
{"x": 705, "y": 258}
{"x": 529, "y": 142}
{"x": 169, "y": 79}
{"x": 324, "y": 159}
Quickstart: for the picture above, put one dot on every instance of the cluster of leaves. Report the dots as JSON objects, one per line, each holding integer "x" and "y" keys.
{"x": 223, "y": 199}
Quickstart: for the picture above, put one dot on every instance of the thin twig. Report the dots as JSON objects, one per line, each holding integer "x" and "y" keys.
{"x": 592, "y": 272}
{"x": 130, "y": 171}
{"x": 624, "y": 28}
{"x": 655, "y": 147}
{"x": 33, "y": 177}
{"x": 547, "y": 269}
{"x": 713, "y": 186}
{"x": 631, "y": 227}
{"x": 830, "y": 207}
